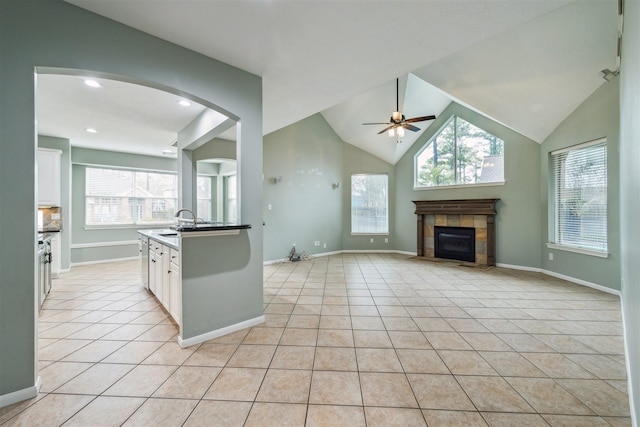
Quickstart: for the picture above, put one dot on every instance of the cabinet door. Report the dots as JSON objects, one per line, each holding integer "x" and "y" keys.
{"x": 175, "y": 290}
{"x": 49, "y": 177}
{"x": 152, "y": 269}
{"x": 166, "y": 269}
{"x": 159, "y": 273}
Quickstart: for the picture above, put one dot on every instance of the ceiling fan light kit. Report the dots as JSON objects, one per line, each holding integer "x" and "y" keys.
{"x": 398, "y": 123}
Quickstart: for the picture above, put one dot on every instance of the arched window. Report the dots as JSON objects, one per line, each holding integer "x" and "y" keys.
{"x": 460, "y": 153}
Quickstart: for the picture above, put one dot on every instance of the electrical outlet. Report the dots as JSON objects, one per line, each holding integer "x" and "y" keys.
{"x": 325, "y": 246}
{"x": 372, "y": 240}
{"x": 550, "y": 256}
{"x": 269, "y": 206}
{"x": 386, "y": 240}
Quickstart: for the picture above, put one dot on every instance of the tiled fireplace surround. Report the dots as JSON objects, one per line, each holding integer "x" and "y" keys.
{"x": 477, "y": 213}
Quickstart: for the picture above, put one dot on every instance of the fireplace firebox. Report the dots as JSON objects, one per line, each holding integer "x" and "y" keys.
{"x": 479, "y": 214}
{"x": 457, "y": 243}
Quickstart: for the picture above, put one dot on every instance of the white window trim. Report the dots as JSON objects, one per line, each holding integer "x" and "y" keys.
{"x": 127, "y": 224}
{"x": 360, "y": 233}
{"x": 577, "y": 250}
{"x": 553, "y": 228}
{"x": 448, "y": 187}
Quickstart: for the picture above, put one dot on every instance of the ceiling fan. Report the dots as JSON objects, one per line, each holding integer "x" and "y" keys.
{"x": 398, "y": 123}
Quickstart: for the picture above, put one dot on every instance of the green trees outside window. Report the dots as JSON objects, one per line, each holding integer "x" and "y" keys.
{"x": 460, "y": 153}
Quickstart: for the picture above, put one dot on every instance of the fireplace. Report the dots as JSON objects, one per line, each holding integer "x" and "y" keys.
{"x": 439, "y": 230}
{"x": 457, "y": 243}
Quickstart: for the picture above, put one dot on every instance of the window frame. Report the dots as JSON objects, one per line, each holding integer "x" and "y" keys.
{"x": 554, "y": 203}
{"x": 416, "y": 172}
{"x": 123, "y": 225}
{"x": 351, "y": 210}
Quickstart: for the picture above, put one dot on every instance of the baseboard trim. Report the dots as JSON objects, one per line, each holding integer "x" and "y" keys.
{"x": 582, "y": 282}
{"x": 198, "y": 339}
{"x": 104, "y": 244}
{"x": 519, "y": 267}
{"x": 102, "y": 261}
{"x": 20, "y": 395}
{"x": 346, "y": 251}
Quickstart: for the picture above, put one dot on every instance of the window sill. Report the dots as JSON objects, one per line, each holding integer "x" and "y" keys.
{"x": 444, "y": 187}
{"x": 581, "y": 251}
{"x": 369, "y": 234}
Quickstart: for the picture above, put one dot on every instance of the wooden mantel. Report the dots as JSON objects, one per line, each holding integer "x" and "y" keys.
{"x": 456, "y": 207}
{"x": 441, "y": 212}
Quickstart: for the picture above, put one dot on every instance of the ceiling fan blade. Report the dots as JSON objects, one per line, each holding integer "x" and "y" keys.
{"x": 385, "y": 123}
{"x": 420, "y": 119}
{"x": 410, "y": 127}
{"x": 387, "y": 128}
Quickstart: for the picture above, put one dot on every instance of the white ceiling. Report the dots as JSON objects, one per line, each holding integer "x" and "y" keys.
{"x": 525, "y": 63}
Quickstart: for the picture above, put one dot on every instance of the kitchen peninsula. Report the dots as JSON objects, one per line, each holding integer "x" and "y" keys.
{"x": 193, "y": 271}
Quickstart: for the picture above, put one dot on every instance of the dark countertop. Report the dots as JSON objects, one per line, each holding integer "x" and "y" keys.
{"x": 210, "y": 226}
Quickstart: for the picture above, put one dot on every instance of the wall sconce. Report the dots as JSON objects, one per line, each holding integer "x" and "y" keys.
{"x": 277, "y": 179}
{"x": 335, "y": 185}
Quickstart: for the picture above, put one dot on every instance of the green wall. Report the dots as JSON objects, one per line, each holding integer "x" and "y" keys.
{"x": 55, "y": 36}
{"x": 358, "y": 161}
{"x": 518, "y": 211}
{"x": 305, "y": 208}
{"x": 630, "y": 196}
{"x": 65, "y": 193}
{"x": 595, "y": 118}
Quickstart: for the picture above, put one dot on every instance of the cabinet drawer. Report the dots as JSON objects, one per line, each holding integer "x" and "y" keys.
{"x": 175, "y": 256}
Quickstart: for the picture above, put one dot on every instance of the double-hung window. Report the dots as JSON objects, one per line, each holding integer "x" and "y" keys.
{"x": 204, "y": 197}
{"x": 231, "y": 198}
{"x": 129, "y": 197}
{"x": 369, "y": 204}
{"x": 580, "y": 197}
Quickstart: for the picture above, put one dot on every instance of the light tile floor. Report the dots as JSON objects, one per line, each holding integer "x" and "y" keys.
{"x": 353, "y": 340}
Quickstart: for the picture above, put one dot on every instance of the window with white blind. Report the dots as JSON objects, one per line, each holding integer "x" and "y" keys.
{"x": 580, "y": 197}
{"x": 204, "y": 197}
{"x": 129, "y": 197}
{"x": 231, "y": 198}
{"x": 369, "y": 204}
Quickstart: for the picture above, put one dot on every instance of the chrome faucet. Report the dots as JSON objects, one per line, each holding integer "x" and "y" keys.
{"x": 195, "y": 220}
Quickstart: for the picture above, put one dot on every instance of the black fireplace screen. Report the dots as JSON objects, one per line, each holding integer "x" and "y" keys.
{"x": 457, "y": 243}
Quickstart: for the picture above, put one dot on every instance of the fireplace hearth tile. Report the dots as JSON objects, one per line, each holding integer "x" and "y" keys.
{"x": 480, "y": 221}
{"x": 467, "y": 221}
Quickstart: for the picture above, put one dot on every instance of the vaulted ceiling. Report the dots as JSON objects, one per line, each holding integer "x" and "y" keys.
{"x": 524, "y": 63}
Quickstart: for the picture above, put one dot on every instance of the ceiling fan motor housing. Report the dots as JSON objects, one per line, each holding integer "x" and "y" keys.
{"x": 397, "y": 117}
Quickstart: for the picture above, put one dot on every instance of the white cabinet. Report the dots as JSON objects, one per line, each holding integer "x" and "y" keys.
{"x": 164, "y": 277}
{"x": 49, "y": 177}
{"x": 166, "y": 272}
{"x": 175, "y": 287}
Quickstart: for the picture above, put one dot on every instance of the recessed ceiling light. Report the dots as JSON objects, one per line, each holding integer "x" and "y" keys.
{"x": 92, "y": 83}
{"x": 91, "y": 130}
{"x": 184, "y": 103}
